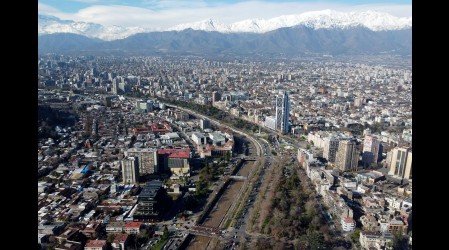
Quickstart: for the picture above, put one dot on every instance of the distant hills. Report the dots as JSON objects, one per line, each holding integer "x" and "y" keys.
{"x": 298, "y": 40}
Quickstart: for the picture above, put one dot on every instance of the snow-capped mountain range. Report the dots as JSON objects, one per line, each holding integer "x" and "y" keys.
{"x": 51, "y": 24}
{"x": 325, "y": 19}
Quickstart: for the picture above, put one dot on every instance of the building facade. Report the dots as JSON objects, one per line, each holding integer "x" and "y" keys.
{"x": 175, "y": 160}
{"x": 150, "y": 202}
{"x": 374, "y": 240}
{"x": 370, "y": 150}
{"x": 331, "y": 148}
{"x": 401, "y": 163}
{"x": 282, "y": 113}
{"x": 216, "y": 97}
{"x": 204, "y": 123}
{"x": 147, "y": 158}
{"x": 347, "y": 156}
{"x": 270, "y": 122}
{"x": 347, "y": 224}
{"x": 130, "y": 170}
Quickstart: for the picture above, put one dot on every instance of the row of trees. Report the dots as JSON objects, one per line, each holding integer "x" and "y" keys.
{"x": 207, "y": 175}
{"x": 294, "y": 217}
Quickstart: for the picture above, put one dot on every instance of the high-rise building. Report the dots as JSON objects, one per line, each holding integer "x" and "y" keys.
{"x": 282, "y": 113}
{"x": 370, "y": 150}
{"x": 123, "y": 86}
{"x": 130, "y": 170}
{"x": 151, "y": 202}
{"x": 147, "y": 158}
{"x": 204, "y": 123}
{"x": 331, "y": 148}
{"x": 347, "y": 156}
{"x": 216, "y": 96}
{"x": 115, "y": 87}
{"x": 401, "y": 163}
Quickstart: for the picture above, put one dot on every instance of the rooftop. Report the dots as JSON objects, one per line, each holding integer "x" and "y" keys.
{"x": 120, "y": 238}
{"x": 133, "y": 224}
{"x": 348, "y": 220}
{"x": 96, "y": 243}
{"x": 175, "y": 153}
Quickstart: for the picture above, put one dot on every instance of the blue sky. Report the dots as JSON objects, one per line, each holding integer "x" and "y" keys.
{"x": 161, "y": 14}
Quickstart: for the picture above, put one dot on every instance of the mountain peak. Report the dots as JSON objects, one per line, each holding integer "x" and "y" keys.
{"x": 323, "y": 19}
{"x": 50, "y": 24}
{"x": 205, "y": 25}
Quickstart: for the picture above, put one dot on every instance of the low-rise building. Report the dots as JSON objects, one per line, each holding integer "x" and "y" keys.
{"x": 347, "y": 224}
{"x": 133, "y": 227}
{"x": 115, "y": 227}
{"x": 95, "y": 245}
{"x": 91, "y": 230}
{"x": 69, "y": 245}
{"x": 369, "y": 223}
{"x": 175, "y": 160}
{"x": 199, "y": 138}
{"x": 374, "y": 240}
{"x": 120, "y": 242}
{"x": 396, "y": 225}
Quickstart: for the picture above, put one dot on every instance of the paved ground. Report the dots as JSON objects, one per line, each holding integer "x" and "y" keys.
{"x": 221, "y": 208}
{"x": 223, "y": 205}
{"x": 199, "y": 243}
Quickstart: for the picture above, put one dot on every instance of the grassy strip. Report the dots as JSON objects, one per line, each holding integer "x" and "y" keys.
{"x": 159, "y": 245}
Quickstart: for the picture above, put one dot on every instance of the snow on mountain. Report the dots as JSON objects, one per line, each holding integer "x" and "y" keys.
{"x": 325, "y": 19}
{"x": 51, "y": 24}
{"x": 206, "y": 25}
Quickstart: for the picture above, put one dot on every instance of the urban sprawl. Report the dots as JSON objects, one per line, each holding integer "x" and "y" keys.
{"x": 195, "y": 153}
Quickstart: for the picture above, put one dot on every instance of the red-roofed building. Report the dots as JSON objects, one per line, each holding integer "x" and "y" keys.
{"x": 161, "y": 127}
{"x": 95, "y": 245}
{"x": 183, "y": 153}
{"x": 175, "y": 160}
{"x": 133, "y": 227}
{"x": 348, "y": 224}
{"x": 155, "y": 127}
{"x": 138, "y": 131}
{"x": 120, "y": 242}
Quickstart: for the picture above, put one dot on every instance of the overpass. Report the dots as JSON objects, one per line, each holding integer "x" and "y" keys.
{"x": 238, "y": 178}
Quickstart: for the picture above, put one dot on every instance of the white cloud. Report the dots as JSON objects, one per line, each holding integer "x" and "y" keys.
{"x": 169, "y": 13}
{"x": 176, "y": 4}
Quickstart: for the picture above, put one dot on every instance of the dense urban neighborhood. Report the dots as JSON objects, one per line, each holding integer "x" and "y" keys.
{"x": 167, "y": 152}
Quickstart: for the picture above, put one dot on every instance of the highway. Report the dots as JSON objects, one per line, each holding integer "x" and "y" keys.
{"x": 263, "y": 155}
{"x": 259, "y": 146}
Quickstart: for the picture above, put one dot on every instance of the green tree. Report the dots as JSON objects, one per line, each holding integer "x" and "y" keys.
{"x": 355, "y": 236}
{"x": 166, "y": 233}
{"x": 315, "y": 239}
{"x": 399, "y": 242}
{"x": 111, "y": 237}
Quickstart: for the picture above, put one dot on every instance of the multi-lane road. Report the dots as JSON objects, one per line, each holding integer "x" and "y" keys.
{"x": 263, "y": 155}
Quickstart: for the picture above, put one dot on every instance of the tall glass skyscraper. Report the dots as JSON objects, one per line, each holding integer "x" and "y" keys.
{"x": 282, "y": 113}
